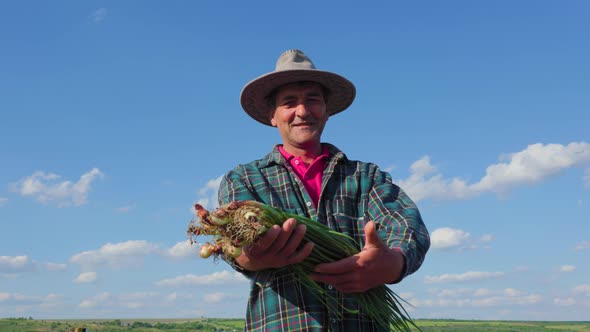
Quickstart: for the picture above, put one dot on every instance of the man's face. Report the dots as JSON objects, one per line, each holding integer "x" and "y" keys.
{"x": 300, "y": 115}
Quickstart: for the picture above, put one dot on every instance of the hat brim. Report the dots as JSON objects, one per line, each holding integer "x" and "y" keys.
{"x": 254, "y": 94}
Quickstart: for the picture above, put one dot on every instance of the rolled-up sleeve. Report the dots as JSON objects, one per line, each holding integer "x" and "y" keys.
{"x": 400, "y": 224}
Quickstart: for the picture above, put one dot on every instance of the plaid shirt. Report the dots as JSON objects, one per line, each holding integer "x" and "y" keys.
{"x": 353, "y": 193}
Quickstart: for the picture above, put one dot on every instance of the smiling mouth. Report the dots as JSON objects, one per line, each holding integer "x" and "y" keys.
{"x": 306, "y": 124}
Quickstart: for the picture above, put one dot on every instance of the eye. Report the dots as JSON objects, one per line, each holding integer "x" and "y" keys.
{"x": 314, "y": 99}
{"x": 288, "y": 103}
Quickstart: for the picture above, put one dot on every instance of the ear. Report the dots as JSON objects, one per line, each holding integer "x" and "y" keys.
{"x": 273, "y": 122}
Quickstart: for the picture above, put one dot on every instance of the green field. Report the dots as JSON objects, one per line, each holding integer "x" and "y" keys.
{"x": 213, "y": 324}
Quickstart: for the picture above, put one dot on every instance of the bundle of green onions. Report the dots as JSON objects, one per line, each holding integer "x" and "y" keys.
{"x": 238, "y": 223}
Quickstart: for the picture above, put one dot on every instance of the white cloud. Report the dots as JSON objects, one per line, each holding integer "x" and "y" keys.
{"x": 567, "y": 268}
{"x": 45, "y": 188}
{"x": 99, "y": 15}
{"x": 470, "y": 298}
{"x": 482, "y": 292}
{"x": 217, "y": 297}
{"x": 423, "y": 184}
{"x": 117, "y": 255}
{"x": 10, "y": 266}
{"x": 5, "y": 297}
{"x": 86, "y": 277}
{"x": 216, "y": 278}
{"x": 29, "y": 299}
{"x": 94, "y": 301}
{"x": 487, "y": 238}
{"x": 182, "y": 249}
{"x": 15, "y": 264}
{"x": 444, "y": 238}
{"x": 532, "y": 165}
{"x": 208, "y": 194}
{"x": 55, "y": 266}
{"x": 582, "y": 245}
{"x": 133, "y": 301}
{"x": 467, "y": 276}
{"x": 582, "y": 289}
{"x": 3, "y": 201}
{"x": 512, "y": 292}
{"x": 565, "y": 302}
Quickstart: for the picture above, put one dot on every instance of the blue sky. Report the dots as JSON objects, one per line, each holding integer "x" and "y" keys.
{"x": 116, "y": 117}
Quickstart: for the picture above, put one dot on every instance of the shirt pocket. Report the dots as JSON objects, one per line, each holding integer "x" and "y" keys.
{"x": 347, "y": 216}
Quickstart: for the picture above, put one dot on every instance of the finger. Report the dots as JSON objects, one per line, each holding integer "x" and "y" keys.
{"x": 372, "y": 239}
{"x": 351, "y": 287}
{"x": 294, "y": 241}
{"x": 338, "y": 267}
{"x": 283, "y": 236}
{"x": 260, "y": 246}
{"x": 267, "y": 239}
{"x": 301, "y": 254}
{"x": 333, "y": 279}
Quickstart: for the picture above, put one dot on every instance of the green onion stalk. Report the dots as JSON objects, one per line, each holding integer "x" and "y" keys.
{"x": 239, "y": 223}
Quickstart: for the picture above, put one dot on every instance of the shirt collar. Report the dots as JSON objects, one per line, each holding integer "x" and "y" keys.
{"x": 276, "y": 158}
{"x": 325, "y": 153}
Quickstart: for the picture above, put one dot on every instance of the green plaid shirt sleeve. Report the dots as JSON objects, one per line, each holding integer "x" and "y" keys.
{"x": 353, "y": 193}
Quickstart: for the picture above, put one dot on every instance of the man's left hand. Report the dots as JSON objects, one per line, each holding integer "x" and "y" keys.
{"x": 375, "y": 265}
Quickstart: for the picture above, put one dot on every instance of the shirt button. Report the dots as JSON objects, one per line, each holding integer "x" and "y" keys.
{"x": 296, "y": 162}
{"x": 333, "y": 320}
{"x": 330, "y": 287}
{"x": 308, "y": 203}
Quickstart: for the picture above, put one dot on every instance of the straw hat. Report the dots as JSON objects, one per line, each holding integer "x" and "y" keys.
{"x": 294, "y": 66}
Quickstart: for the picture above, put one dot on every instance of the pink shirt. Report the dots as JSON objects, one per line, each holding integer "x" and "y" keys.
{"x": 310, "y": 175}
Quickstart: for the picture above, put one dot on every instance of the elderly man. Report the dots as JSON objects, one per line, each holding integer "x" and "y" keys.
{"x": 314, "y": 179}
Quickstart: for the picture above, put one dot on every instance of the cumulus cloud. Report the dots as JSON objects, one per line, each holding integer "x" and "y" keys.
{"x": 487, "y": 238}
{"x": 208, "y": 194}
{"x": 116, "y": 255}
{"x": 95, "y": 300}
{"x": 565, "y": 302}
{"x": 582, "y": 245}
{"x": 137, "y": 300}
{"x": 424, "y": 182}
{"x": 482, "y": 292}
{"x": 99, "y": 15}
{"x": 567, "y": 268}
{"x": 218, "y": 297}
{"x": 46, "y": 187}
{"x": 54, "y": 266}
{"x": 130, "y": 253}
{"x": 13, "y": 301}
{"x": 85, "y": 277}
{"x": 467, "y": 276}
{"x": 182, "y": 249}
{"x": 479, "y": 298}
{"x": 530, "y": 166}
{"x": 582, "y": 289}
{"x": 11, "y": 264}
{"x": 533, "y": 165}
{"x": 444, "y": 238}
{"x": 216, "y": 278}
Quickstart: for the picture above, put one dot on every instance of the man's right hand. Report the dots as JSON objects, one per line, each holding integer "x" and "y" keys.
{"x": 276, "y": 248}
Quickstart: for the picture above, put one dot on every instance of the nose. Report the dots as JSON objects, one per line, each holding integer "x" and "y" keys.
{"x": 301, "y": 110}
